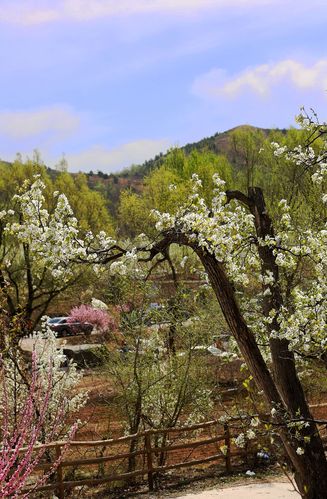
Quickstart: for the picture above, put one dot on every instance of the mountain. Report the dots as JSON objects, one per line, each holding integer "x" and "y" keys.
{"x": 110, "y": 185}
{"x": 220, "y": 143}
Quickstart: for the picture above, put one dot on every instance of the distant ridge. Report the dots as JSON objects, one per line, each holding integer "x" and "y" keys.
{"x": 219, "y": 143}
{"x": 111, "y": 184}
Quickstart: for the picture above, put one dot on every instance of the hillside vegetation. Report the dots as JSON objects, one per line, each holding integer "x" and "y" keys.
{"x": 239, "y": 146}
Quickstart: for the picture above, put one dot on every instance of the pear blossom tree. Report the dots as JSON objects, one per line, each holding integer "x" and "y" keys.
{"x": 27, "y": 284}
{"x": 241, "y": 249}
{"x": 39, "y": 253}
{"x": 156, "y": 390}
{"x": 269, "y": 278}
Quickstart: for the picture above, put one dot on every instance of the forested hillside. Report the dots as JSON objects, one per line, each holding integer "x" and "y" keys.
{"x": 239, "y": 145}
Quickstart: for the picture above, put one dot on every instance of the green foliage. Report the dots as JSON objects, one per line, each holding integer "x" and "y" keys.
{"x": 255, "y": 164}
{"x": 205, "y": 164}
{"x": 155, "y": 389}
{"x": 29, "y": 289}
{"x": 283, "y": 179}
{"x": 13, "y": 175}
{"x": 168, "y": 187}
{"x": 245, "y": 146}
{"x": 89, "y": 206}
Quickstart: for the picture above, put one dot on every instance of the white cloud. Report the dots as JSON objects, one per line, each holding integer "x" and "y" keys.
{"x": 58, "y": 121}
{"x": 108, "y": 160}
{"x": 263, "y": 79}
{"x": 38, "y": 12}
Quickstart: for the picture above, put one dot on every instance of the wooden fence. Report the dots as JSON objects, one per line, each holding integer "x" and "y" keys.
{"x": 148, "y": 447}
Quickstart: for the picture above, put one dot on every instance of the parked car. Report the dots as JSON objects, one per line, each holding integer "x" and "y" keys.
{"x": 64, "y": 327}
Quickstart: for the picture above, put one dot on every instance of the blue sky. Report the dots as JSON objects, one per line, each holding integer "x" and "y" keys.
{"x": 111, "y": 83}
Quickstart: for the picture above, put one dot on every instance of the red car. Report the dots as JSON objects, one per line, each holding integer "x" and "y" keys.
{"x": 64, "y": 327}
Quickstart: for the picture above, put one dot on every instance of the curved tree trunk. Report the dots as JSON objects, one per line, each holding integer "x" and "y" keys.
{"x": 282, "y": 391}
{"x": 311, "y": 467}
{"x": 283, "y": 361}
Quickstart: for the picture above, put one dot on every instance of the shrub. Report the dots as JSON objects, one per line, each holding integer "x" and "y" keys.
{"x": 98, "y": 318}
{"x": 18, "y": 456}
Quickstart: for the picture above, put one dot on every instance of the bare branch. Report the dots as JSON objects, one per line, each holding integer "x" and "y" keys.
{"x": 239, "y": 196}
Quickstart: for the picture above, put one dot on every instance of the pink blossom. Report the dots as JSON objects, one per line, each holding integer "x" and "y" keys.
{"x": 18, "y": 456}
{"x": 98, "y": 318}
{"x": 124, "y": 308}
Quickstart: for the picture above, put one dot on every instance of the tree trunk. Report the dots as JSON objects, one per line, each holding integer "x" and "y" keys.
{"x": 311, "y": 467}
{"x": 283, "y": 392}
{"x": 283, "y": 361}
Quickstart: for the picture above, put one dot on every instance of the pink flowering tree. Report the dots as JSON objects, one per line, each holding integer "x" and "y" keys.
{"x": 20, "y": 454}
{"x": 100, "y": 319}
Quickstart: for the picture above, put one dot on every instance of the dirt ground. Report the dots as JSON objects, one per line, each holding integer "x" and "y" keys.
{"x": 102, "y": 419}
{"x": 273, "y": 490}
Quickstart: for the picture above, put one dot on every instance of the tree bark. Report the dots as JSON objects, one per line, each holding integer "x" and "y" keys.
{"x": 311, "y": 467}
{"x": 283, "y": 361}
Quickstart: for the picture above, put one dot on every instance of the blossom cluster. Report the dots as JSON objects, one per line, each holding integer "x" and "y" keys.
{"x": 53, "y": 239}
{"x": 25, "y": 428}
{"x": 220, "y": 228}
{"x": 227, "y": 231}
{"x": 60, "y": 388}
{"x": 98, "y": 317}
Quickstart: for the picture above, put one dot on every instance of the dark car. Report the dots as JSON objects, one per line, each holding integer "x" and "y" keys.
{"x": 64, "y": 327}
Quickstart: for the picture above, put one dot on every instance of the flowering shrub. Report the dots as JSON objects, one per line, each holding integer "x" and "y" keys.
{"x": 100, "y": 319}
{"x": 59, "y": 388}
{"x": 26, "y": 430}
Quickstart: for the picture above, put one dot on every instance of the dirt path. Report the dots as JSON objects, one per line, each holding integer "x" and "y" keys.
{"x": 272, "y": 490}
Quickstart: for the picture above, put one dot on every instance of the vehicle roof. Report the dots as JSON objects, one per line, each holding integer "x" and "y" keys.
{"x": 56, "y": 319}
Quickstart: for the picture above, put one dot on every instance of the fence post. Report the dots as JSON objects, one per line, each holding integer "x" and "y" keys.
{"x": 149, "y": 460}
{"x": 228, "y": 450}
{"x": 59, "y": 474}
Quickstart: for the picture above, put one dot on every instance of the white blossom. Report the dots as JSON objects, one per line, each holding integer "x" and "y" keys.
{"x": 240, "y": 440}
{"x": 98, "y": 304}
{"x": 250, "y": 434}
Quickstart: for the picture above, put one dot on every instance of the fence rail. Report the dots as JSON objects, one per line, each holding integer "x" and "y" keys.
{"x": 149, "y": 451}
